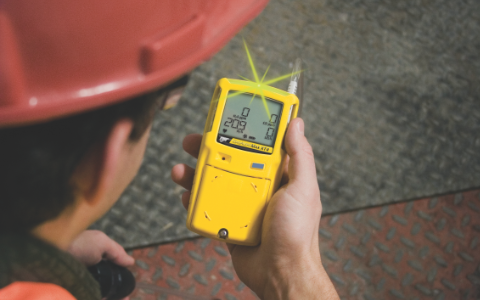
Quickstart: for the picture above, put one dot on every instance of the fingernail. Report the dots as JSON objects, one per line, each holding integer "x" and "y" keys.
{"x": 301, "y": 127}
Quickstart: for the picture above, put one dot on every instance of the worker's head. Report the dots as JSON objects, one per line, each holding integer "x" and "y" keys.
{"x": 79, "y": 84}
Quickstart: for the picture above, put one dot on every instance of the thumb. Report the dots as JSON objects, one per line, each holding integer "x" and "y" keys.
{"x": 301, "y": 167}
{"x": 115, "y": 253}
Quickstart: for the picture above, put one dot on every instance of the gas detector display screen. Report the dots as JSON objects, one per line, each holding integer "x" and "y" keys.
{"x": 248, "y": 118}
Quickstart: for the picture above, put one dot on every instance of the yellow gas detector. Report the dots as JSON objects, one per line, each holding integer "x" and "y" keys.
{"x": 240, "y": 161}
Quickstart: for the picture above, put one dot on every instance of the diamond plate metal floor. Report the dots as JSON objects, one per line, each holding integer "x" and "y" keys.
{"x": 423, "y": 249}
{"x": 392, "y": 106}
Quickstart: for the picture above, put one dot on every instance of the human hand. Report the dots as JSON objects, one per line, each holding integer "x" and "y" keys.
{"x": 287, "y": 263}
{"x": 91, "y": 246}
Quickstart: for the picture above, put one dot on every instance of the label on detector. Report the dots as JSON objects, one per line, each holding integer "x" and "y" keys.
{"x": 251, "y": 145}
{"x": 245, "y": 145}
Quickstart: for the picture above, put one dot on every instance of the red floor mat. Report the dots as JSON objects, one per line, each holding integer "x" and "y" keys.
{"x": 423, "y": 249}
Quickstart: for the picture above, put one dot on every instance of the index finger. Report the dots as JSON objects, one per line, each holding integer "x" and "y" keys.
{"x": 115, "y": 253}
{"x": 191, "y": 144}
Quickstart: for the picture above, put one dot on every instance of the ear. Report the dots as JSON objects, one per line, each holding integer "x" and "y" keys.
{"x": 97, "y": 171}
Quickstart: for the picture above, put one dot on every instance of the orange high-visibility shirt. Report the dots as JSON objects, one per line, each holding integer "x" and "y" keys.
{"x": 22, "y": 290}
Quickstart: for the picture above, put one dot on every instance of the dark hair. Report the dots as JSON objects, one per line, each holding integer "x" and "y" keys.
{"x": 37, "y": 161}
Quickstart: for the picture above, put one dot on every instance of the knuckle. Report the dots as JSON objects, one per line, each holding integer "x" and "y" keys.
{"x": 320, "y": 206}
{"x": 101, "y": 238}
{"x": 307, "y": 150}
{"x": 97, "y": 234}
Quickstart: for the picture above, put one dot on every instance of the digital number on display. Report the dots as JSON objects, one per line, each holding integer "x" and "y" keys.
{"x": 245, "y": 117}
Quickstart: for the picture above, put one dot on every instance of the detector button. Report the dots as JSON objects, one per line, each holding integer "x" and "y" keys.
{"x": 258, "y": 166}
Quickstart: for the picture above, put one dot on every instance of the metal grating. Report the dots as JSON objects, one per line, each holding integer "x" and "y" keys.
{"x": 391, "y": 106}
{"x": 424, "y": 249}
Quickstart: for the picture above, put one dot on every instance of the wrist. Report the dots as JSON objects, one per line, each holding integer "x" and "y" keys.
{"x": 301, "y": 281}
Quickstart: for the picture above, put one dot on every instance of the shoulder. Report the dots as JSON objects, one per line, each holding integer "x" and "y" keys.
{"x": 34, "y": 291}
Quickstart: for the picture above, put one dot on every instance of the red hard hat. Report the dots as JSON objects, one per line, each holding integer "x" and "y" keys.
{"x": 61, "y": 57}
